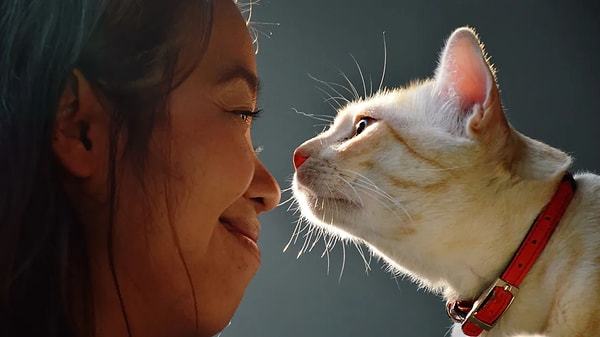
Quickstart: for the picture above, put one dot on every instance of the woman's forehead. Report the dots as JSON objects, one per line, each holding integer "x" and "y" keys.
{"x": 230, "y": 51}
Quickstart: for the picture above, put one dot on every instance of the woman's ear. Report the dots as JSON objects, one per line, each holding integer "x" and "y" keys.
{"x": 81, "y": 129}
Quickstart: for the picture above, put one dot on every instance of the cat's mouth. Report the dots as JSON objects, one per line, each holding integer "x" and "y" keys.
{"x": 327, "y": 202}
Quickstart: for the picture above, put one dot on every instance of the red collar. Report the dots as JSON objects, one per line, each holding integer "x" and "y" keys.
{"x": 483, "y": 313}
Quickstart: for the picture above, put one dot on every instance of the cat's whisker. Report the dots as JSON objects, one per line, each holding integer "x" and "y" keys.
{"x": 339, "y": 106}
{"x": 320, "y": 232}
{"x": 329, "y": 244}
{"x": 289, "y": 189}
{"x": 307, "y": 225}
{"x": 384, "y": 63}
{"x": 327, "y": 253}
{"x": 331, "y": 223}
{"x": 294, "y": 235}
{"x": 316, "y": 240}
{"x": 327, "y": 240}
{"x": 354, "y": 92}
{"x": 330, "y": 98}
{"x": 343, "y": 262}
{"x": 288, "y": 200}
{"x": 326, "y": 116}
{"x": 295, "y": 210}
{"x": 330, "y": 86}
{"x": 308, "y": 238}
{"x": 362, "y": 254}
{"x": 313, "y": 116}
{"x": 370, "y": 182}
{"x": 335, "y": 98}
{"x": 370, "y": 85}
{"x": 374, "y": 194}
{"x": 353, "y": 189}
{"x": 325, "y": 126}
{"x": 369, "y": 185}
{"x": 362, "y": 77}
{"x": 334, "y": 203}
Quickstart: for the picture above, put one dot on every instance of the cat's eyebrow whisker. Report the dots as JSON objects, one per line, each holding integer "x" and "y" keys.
{"x": 354, "y": 92}
{"x": 384, "y": 63}
{"x": 362, "y": 77}
{"x": 330, "y": 86}
{"x": 313, "y": 116}
{"x": 335, "y": 99}
{"x": 325, "y": 126}
{"x": 330, "y": 98}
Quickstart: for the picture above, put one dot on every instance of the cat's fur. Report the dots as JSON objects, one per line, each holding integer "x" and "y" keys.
{"x": 444, "y": 189}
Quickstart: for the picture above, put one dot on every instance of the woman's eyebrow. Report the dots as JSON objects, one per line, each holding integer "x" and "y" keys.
{"x": 241, "y": 73}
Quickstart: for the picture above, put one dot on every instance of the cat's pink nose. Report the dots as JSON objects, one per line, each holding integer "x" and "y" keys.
{"x": 299, "y": 158}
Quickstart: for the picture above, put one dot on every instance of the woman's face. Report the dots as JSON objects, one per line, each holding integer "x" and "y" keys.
{"x": 189, "y": 233}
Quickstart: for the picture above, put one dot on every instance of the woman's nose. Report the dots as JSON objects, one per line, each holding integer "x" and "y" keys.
{"x": 299, "y": 158}
{"x": 264, "y": 189}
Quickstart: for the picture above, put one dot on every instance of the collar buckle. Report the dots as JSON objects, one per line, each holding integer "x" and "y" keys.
{"x": 496, "y": 300}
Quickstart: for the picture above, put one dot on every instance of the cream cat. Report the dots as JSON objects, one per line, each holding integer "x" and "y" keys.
{"x": 434, "y": 180}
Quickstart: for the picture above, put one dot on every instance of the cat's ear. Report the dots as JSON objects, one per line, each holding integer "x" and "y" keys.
{"x": 465, "y": 77}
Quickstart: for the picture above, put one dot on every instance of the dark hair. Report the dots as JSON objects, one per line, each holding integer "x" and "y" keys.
{"x": 129, "y": 51}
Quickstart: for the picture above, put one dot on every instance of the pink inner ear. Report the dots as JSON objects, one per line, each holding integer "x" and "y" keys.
{"x": 463, "y": 71}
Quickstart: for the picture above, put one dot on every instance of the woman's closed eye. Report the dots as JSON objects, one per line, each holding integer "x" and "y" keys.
{"x": 248, "y": 116}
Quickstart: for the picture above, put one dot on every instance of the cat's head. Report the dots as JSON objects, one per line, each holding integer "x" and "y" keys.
{"x": 410, "y": 167}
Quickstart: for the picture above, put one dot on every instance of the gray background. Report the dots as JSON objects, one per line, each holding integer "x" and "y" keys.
{"x": 548, "y": 73}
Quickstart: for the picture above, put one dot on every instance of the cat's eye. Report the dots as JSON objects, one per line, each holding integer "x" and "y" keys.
{"x": 362, "y": 124}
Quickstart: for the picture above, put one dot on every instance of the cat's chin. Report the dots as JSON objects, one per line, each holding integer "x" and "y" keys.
{"x": 318, "y": 203}
{"x": 329, "y": 212}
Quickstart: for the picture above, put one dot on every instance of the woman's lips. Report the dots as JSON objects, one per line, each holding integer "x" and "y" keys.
{"x": 245, "y": 231}
{"x": 243, "y": 227}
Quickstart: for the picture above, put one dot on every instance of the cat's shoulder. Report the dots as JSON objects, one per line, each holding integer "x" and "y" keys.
{"x": 588, "y": 181}
{"x": 583, "y": 216}
{"x": 588, "y": 190}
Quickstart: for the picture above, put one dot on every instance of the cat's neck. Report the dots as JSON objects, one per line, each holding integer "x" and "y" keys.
{"x": 501, "y": 222}
{"x": 469, "y": 246}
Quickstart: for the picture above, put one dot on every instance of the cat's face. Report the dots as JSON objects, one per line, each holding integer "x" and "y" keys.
{"x": 414, "y": 169}
{"x": 380, "y": 165}
{"x": 389, "y": 160}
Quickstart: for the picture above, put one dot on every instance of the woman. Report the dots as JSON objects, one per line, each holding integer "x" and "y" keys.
{"x": 129, "y": 189}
